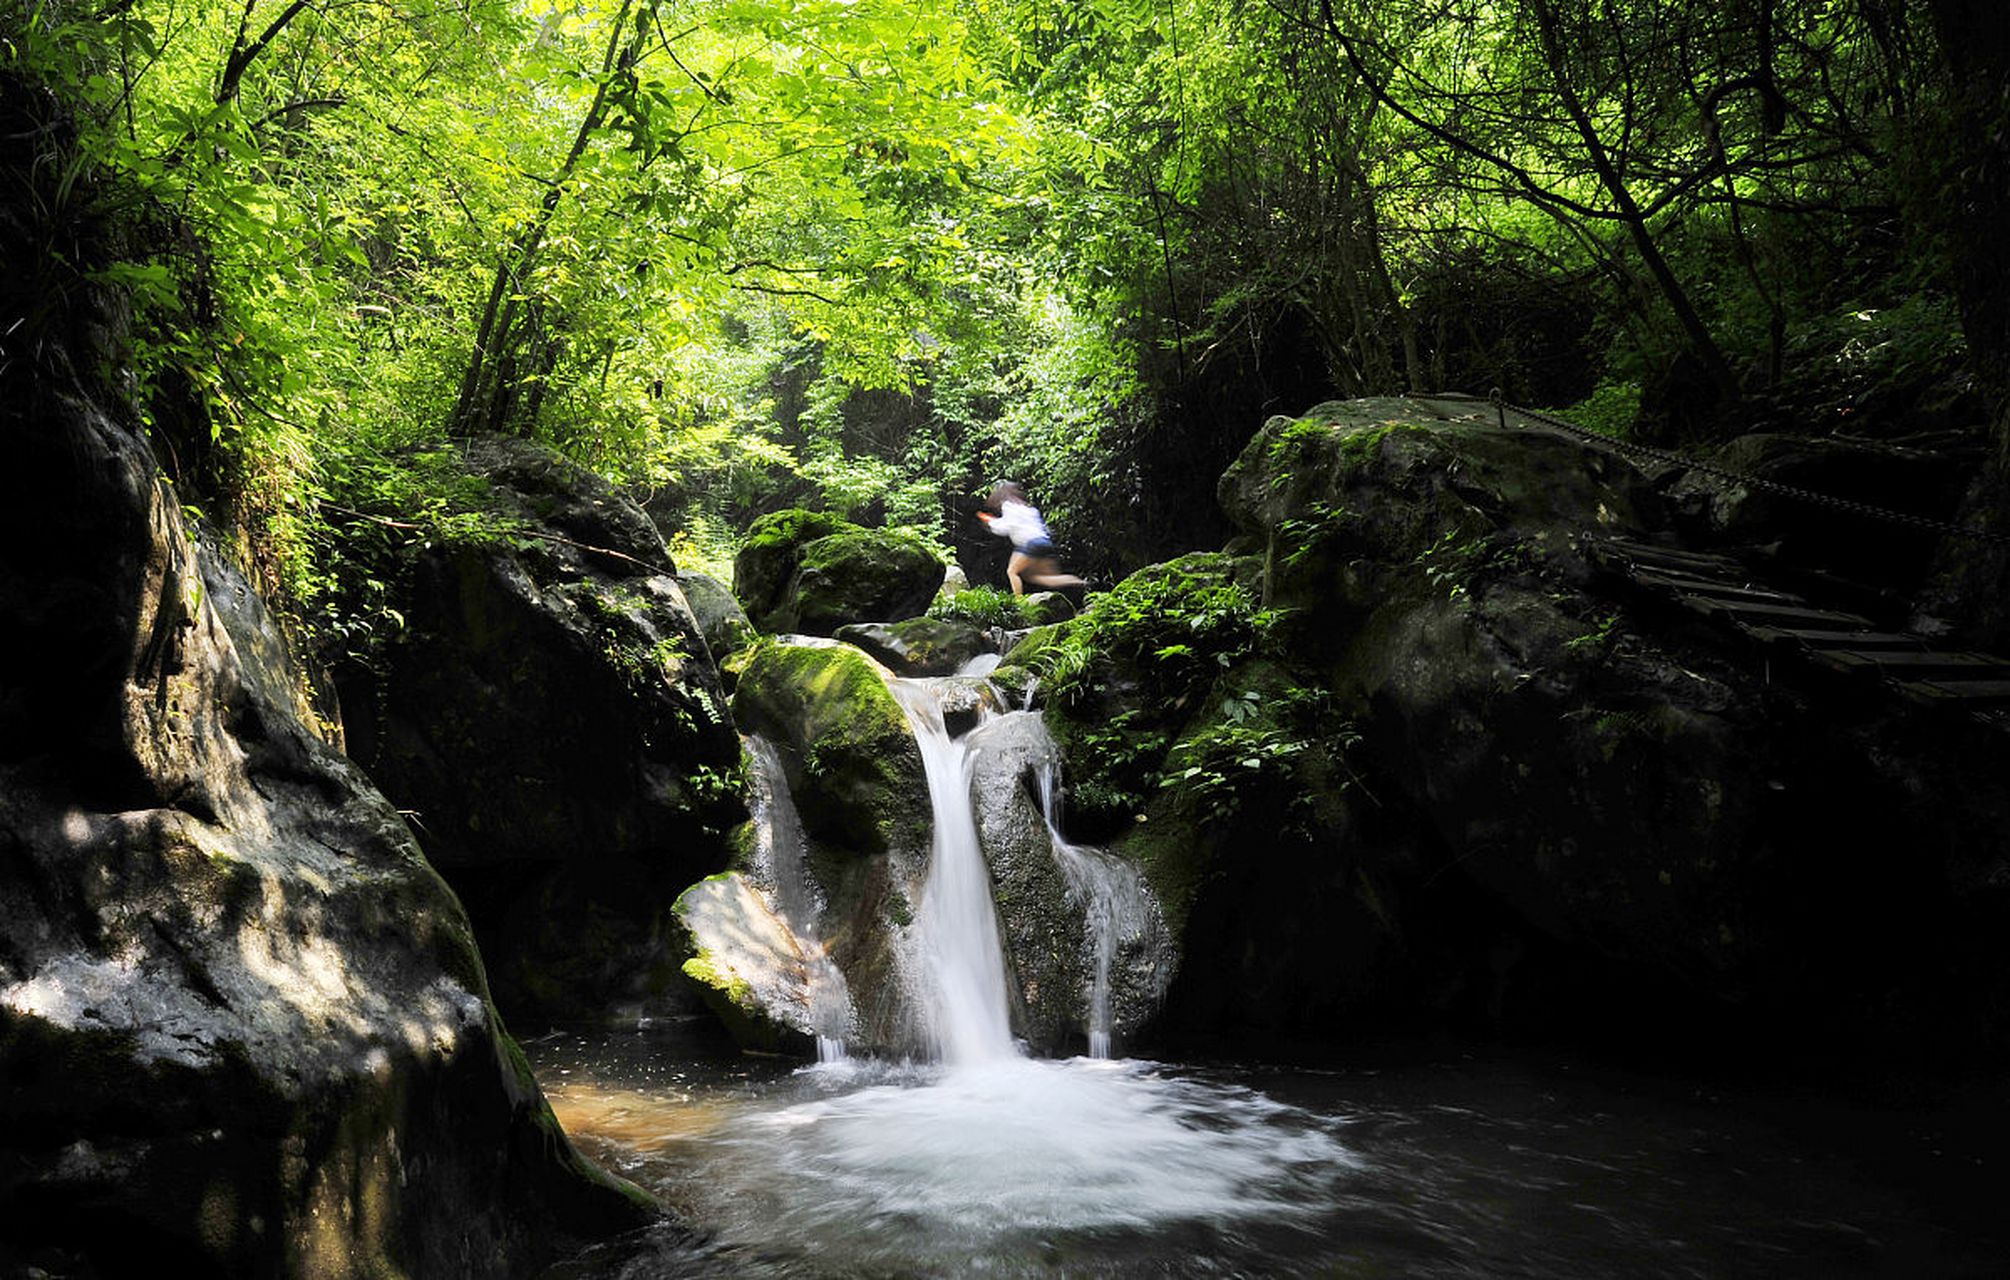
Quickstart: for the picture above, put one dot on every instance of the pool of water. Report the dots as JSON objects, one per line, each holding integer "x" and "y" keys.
{"x": 1441, "y": 1162}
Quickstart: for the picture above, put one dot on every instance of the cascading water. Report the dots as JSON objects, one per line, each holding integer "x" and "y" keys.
{"x": 957, "y": 928}
{"x": 994, "y": 1163}
{"x": 779, "y": 861}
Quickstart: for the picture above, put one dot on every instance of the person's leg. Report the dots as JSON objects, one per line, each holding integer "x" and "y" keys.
{"x": 1046, "y": 574}
{"x": 1013, "y": 568}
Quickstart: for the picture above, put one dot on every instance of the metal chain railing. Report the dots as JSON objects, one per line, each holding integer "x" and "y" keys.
{"x": 1502, "y": 408}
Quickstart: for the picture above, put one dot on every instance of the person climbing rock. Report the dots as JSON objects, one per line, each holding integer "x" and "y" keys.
{"x": 1008, "y": 514}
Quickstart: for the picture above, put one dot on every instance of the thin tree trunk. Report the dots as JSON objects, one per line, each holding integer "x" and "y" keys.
{"x": 480, "y": 392}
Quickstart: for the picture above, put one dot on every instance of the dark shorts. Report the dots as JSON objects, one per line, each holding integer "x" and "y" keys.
{"x": 1037, "y": 548}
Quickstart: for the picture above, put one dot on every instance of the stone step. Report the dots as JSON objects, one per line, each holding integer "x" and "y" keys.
{"x": 1915, "y": 665}
{"x": 1825, "y": 638}
{"x": 1762, "y": 614}
{"x": 1964, "y": 692}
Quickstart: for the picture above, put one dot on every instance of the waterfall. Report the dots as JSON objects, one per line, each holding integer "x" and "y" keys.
{"x": 1115, "y": 904}
{"x": 778, "y": 860}
{"x": 957, "y": 927}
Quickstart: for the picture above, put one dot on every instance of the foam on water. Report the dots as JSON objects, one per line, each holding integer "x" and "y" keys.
{"x": 960, "y": 1158}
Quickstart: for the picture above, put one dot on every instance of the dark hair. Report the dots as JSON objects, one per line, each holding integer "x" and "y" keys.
{"x": 1006, "y": 491}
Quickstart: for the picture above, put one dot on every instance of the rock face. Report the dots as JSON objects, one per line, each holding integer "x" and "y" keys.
{"x": 1456, "y": 769}
{"x": 720, "y": 618}
{"x": 244, "y": 1027}
{"x": 855, "y": 775}
{"x": 552, "y": 716}
{"x": 1077, "y": 926}
{"x": 1816, "y": 537}
{"x": 811, "y": 573}
{"x": 918, "y": 646}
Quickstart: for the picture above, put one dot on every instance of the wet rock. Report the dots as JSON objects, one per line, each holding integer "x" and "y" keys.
{"x": 856, "y": 778}
{"x": 1055, "y": 903}
{"x": 917, "y": 646}
{"x": 243, "y": 1024}
{"x": 749, "y": 963}
{"x": 552, "y": 717}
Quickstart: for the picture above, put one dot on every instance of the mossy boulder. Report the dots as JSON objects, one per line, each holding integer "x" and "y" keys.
{"x": 811, "y": 573}
{"x": 1556, "y": 801}
{"x": 770, "y": 556}
{"x": 1044, "y": 607}
{"x": 854, "y": 767}
{"x": 854, "y": 774}
{"x": 917, "y": 646}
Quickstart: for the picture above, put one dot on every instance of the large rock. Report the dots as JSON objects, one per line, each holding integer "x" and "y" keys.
{"x": 918, "y": 646}
{"x": 1077, "y": 925}
{"x": 811, "y": 573}
{"x": 720, "y": 618}
{"x": 1830, "y": 538}
{"x": 244, "y": 1028}
{"x": 551, "y": 716}
{"x": 1462, "y": 771}
{"x": 854, "y": 773}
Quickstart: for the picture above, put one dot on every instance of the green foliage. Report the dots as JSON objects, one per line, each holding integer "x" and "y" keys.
{"x": 1258, "y": 744}
{"x": 870, "y": 256}
{"x": 1176, "y": 625}
{"x": 982, "y": 607}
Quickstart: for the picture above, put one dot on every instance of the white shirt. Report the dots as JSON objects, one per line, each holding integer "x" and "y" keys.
{"x": 1021, "y": 523}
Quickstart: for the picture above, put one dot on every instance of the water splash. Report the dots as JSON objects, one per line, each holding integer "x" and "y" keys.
{"x": 949, "y": 1170}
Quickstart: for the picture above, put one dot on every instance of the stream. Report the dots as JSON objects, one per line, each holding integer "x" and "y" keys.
{"x": 1427, "y": 1161}
{"x": 1433, "y": 1162}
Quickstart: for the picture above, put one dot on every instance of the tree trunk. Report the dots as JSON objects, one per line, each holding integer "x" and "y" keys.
{"x": 1970, "y": 588}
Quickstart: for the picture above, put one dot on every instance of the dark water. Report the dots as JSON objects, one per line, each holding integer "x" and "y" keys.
{"x": 1433, "y": 1163}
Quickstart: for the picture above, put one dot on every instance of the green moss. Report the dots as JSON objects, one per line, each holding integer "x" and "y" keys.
{"x": 831, "y": 708}
{"x": 703, "y": 968}
{"x": 793, "y": 527}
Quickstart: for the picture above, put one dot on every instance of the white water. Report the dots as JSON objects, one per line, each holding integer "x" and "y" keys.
{"x": 982, "y": 1161}
{"x": 778, "y": 858}
{"x": 957, "y": 927}
{"x": 916, "y": 1175}
{"x": 1115, "y": 904}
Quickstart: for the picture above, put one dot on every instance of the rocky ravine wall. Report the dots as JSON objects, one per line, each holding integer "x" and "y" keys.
{"x": 244, "y": 1028}
{"x": 1529, "y": 800}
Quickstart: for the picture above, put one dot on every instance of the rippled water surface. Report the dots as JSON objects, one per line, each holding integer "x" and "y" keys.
{"x": 1440, "y": 1164}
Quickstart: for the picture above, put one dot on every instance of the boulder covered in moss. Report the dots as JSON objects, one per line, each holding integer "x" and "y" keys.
{"x": 918, "y": 646}
{"x": 810, "y": 573}
{"x": 769, "y": 557}
{"x": 244, "y": 1025}
{"x": 551, "y": 716}
{"x": 853, "y": 773}
{"x": 1444, "y": 762}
